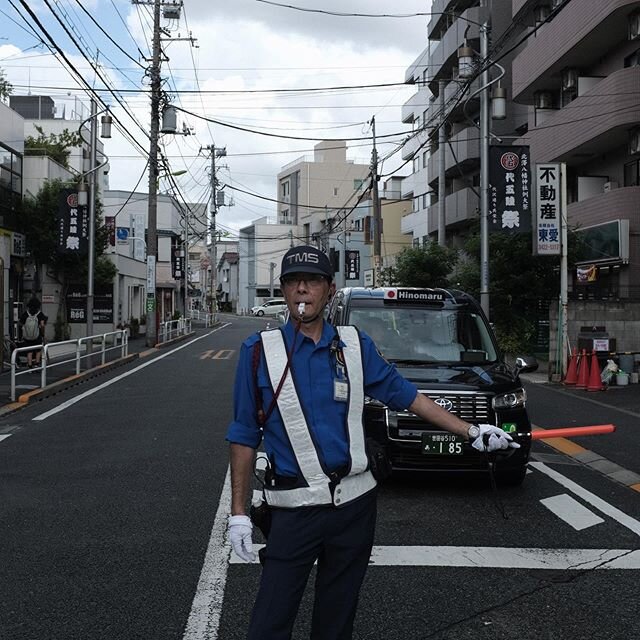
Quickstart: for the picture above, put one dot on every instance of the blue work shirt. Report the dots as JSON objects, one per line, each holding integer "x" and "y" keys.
{"x": 314, "y": 371}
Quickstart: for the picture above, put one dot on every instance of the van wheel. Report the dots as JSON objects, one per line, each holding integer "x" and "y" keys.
{"x": 512, "y": 477}
{"x": 260, "y": 312}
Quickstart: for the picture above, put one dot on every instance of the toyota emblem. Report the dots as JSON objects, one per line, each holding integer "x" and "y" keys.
{"x": 445, "y": 403}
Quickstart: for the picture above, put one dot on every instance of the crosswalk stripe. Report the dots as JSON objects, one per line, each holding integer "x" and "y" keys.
{"x": 571, "y": 511}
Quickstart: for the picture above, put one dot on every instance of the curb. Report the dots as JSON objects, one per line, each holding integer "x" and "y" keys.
{"x": 594, "y": 461}
{"x": 65, "y": 383}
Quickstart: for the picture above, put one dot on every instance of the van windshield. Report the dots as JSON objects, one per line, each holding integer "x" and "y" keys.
{"x": 415, "y": 334}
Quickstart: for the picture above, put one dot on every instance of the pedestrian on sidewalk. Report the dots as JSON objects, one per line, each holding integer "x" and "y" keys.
{"x": 301, "y": 388}
{"x": 32, "y": 322}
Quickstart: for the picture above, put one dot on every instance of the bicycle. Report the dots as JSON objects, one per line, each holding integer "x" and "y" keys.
{"x": 8, "y": 347}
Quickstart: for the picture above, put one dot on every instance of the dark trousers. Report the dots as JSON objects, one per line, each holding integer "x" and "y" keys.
{"x": 340, "y": 539}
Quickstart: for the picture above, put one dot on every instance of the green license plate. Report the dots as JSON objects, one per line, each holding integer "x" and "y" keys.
{"x": 442, "y": 444}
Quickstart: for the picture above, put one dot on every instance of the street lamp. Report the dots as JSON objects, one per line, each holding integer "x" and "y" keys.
{"x": 89, "y": 195}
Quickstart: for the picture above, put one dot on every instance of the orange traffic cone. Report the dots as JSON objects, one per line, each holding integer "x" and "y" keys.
{"x": 583, "y": 371}
{"x": 572, "y": 371}
{"x": 595, "y": 383}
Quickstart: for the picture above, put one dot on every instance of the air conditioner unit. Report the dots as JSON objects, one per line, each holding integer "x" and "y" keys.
{"x": 608, "y": 186}
{"x": 634, "y": 25}
{"x": 634, "y": 142}
{"x": 569, "y": 79}
{"x": 543, "y": 100}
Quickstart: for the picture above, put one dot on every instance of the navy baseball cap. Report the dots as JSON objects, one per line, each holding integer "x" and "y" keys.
{"x": 306, "y": 259}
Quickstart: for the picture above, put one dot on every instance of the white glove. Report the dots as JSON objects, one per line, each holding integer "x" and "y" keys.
{"x": 240, "y": 529}
{"x": 497, "y": 439}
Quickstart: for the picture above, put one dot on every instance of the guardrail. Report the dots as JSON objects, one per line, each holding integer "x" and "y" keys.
{"x": 106, "y": 341}
{"x": 174, "y": 328}
{"x": 209, "y": 319}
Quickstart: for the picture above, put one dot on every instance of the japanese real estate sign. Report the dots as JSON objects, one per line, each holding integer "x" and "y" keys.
{"x": 548, "y": 209}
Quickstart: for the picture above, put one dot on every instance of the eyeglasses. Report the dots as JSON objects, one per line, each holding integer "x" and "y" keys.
{"x": 311, "y": 279}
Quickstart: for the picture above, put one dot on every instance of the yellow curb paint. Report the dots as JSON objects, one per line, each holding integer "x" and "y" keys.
{"x": 563, "y": 445}
{"x": 148, "y": 352}
{"x": 635, "y": 487}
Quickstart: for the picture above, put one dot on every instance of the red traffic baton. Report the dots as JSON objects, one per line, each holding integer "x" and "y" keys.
{"x": 571, "y": 432}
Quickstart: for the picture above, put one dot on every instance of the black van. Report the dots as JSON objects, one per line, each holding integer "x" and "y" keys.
{"x": 440, "y": 340}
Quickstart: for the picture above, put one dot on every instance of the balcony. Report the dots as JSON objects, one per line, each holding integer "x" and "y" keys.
{"x": 413, "y": 107}
{"x": 617, "y": 204}
{"x": 466, "y": 146}
{"x": 440, "y": 15}
{"x": 461, "y": 208}
{"x": 579, "y": 36}
{"x": 594, "y": 123}
{"x": 445, "y": 55}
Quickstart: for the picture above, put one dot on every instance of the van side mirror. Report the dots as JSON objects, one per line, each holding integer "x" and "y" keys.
{"x": 526, "y": 364}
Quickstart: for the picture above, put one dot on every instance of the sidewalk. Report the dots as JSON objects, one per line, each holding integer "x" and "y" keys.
{"x": 625, "y": 397}
{"x": 62, "y": 375}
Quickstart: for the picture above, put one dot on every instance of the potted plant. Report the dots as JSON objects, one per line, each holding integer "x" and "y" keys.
{"x": 142, "y": 328}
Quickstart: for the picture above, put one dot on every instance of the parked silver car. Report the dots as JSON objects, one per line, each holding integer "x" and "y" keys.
{"x": 270, "y": 307}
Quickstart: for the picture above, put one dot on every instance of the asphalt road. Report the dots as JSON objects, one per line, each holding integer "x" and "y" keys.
{"x": 112, "y": 510}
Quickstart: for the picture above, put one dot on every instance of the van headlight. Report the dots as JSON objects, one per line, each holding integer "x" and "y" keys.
{"x": 511, "y": 400}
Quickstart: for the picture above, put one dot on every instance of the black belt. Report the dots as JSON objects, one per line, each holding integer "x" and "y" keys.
{"x": 291, "y": 482}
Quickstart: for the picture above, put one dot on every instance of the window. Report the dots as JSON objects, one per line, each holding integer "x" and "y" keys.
{"x": 425, "y": 160}
{"x": 632, "y": 174}
{"x": 633, "y": 60}
{"x": 284, "y": 214}
{"x": 416, "y": 165}
{"x": 425, "y": 240}
{"x": 416, "y": 242}
{"x": 335, "y": 191}
{"x": 286, "y": 188}
{"x": 424, "y": 200}
{"x": 357, "y": 184}
{"x": 416, "y": 204}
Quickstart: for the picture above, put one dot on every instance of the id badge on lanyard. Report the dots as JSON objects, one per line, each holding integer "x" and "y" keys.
{"x": 340, "y": 383}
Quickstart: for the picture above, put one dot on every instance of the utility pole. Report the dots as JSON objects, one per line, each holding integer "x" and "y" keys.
{"x": 152, "y": 216}
{"x": 185, "y": 264}
{"x": 377, "y": 214}
{"x": 484, "y": 166}
{"x": 272, "y": 266}
{"x": 92, "y": 217}
{"x": 442, "y": 191}
{"x": 216, "y": 152}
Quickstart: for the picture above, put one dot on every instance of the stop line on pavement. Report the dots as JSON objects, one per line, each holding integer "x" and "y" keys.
{"x": 497, "y": 558}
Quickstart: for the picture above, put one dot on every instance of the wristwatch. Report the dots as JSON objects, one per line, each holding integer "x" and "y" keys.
{"x": 473, "y": 433}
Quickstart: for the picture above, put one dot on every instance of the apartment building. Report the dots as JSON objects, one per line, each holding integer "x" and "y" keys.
{"x": 314, "y": 189}
{"x": 351, "y": 241}
{"x": 580, "y": 78}
{"x": 435, "y": 73}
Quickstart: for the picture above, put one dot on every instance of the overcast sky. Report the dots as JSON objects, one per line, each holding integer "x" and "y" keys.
{"x": 242, "y": 45}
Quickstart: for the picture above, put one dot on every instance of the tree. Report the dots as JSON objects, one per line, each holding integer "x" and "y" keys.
{"x": 55, "y": 146}
{"x": 38, "y": 223}
{"x": 6, "y": 88}
{"x": 427, "y": 266}
{"x": 519, "y": 282}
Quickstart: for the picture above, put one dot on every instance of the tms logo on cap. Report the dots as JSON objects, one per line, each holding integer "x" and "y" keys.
{"x": 306, "y": 259}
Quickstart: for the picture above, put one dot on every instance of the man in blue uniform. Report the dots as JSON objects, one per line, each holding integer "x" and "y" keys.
{"x": 301, "y": 389}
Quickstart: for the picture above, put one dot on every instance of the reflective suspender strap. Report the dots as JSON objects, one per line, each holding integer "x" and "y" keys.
{"x": 295, "y": 424}
{"x": 353, "y": 361}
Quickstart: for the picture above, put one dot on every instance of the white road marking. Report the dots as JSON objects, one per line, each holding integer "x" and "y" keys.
{"x": 86, "y": 394}
{"x": 497, "y": 558}
{"x": 5, "y": 436}
{"x": 571, "y": 511}
{"x": 206, "y": 608}
{"x": 591, "y": 498}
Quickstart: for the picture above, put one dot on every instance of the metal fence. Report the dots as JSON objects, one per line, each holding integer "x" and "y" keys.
{"x": 209, "y": 319}
{"x": 83, "y": 352}
{"x": 174, "y": 328}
